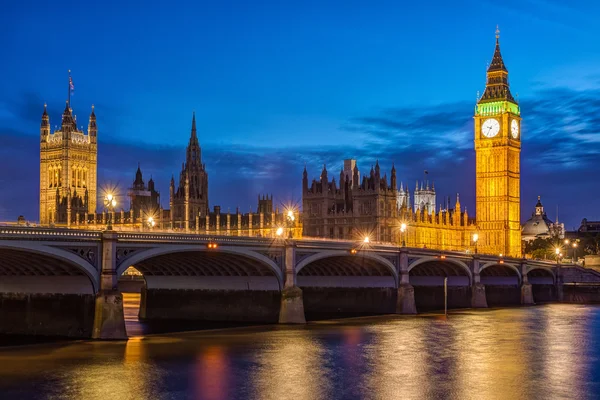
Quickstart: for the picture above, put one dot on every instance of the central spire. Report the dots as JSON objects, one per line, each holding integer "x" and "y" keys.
{"x": 497, "y": 88}
{"x": 194, "y": 154}
{"x": 497, "y": 61}
{"x": 194, "y": 124}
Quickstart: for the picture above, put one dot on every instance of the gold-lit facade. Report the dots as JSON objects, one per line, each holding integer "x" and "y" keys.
{"x": 355, "y": 209}
{"x": 68, "y": 168}
{"x": 498, "y": 154}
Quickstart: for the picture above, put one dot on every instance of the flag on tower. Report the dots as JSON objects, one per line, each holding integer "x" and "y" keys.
{"x": 71, "y": 86}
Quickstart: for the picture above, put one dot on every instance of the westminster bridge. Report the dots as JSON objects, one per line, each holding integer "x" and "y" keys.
{"x": 65, "y": 282}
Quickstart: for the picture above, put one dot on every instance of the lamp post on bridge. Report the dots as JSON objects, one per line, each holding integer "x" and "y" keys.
{"x": 151, "y": 222}
{"x": 574, "y": 246}
{"x": 402, "y": 232}
{"x": 290, "y": 218}
{"x": 475, "y": 239}
{"x": 110, "y": 202}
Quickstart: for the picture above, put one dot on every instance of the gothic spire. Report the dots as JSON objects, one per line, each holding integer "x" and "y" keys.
{"x": 194, "y": 124}
{"x": 193, "y": 153}
{"x": 45, "y": 118}
{"x": 497, "y": 87}
{"x": 67, "y": 118}
{"x": 497, "y": 61}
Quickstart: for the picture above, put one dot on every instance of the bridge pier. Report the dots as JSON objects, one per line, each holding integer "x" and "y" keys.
{"x": 526, "y": 290}
{"x": 109, "y": 318}
{"x": 292, "y": 303}
{"x": 478, "y": 296}
{"x": 405, "y": 303}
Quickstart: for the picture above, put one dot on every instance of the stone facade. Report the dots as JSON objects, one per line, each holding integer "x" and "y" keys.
{"x": 144, "y": 201}
{"x": 68, "y": 168}
{"x": 376, "y": 209}
{"x": 353, "y": 209}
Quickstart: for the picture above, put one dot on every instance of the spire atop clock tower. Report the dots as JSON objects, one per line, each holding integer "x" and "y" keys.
{"x": 497, "y": 88}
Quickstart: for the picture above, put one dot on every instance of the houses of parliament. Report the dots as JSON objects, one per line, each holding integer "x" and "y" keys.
{"x": 375, "y": 205}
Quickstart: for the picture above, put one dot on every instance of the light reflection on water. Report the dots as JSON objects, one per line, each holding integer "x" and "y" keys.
{"x": 544, "y": 352}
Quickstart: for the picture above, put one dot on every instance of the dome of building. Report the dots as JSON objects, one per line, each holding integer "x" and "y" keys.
{"x": 538, "y": 226}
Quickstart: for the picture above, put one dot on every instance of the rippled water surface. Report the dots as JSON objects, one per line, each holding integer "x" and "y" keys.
{"x": 542, "y": 352}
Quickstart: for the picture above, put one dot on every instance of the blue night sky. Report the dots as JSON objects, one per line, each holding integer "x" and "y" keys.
{"x": 280, "y": 84}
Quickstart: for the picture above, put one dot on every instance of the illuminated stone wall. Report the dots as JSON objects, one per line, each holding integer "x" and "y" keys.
{"x": 68, "y": 169}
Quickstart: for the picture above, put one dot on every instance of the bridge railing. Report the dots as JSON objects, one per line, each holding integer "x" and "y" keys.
{"x": 19, "y": 232}
{"x": 196, "y": 238}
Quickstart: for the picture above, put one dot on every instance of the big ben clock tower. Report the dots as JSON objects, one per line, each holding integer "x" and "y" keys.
{"x": 498, "y": 149}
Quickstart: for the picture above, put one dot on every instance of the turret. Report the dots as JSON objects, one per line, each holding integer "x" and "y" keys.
{"x": 355, "y": 177}
{"x": 393, "y": 182}
{"x": 304, "y": 180}
{"x": 139, "y": 182}
{"x": 92, "y": 128}
{"x": 151, "y": 184}
{"x": 457, "y": 213}
{"x": 324, "y": 179}
{"x": 67, "y": 125}
{"x": 45, "y": 125}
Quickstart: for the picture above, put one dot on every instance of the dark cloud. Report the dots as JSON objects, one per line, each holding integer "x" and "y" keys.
{"x": 560, "y": 157}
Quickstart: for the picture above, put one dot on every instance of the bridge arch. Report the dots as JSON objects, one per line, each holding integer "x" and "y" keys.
{"x": 36, "y": 259}
{"x": 463, "y": 266}
{"x": 541, "y": 271}
{"x": 513, "y": 267}
{"x": 376, "y": 261}
{"x": 241, "y": 259}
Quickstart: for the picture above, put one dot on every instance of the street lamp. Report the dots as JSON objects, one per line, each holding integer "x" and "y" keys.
{"x": 475, "y": 239}
{"x": 557, "y": 252}
{"x": 402, "y": 230}
{"x": 290, "y": 222}
{"x": 151, "y": 223}
{"x": 575, "y": 252}
{"x": 110, "y": 202}
{"x": 366, "y": 240}
{"x": 279, "y": 231}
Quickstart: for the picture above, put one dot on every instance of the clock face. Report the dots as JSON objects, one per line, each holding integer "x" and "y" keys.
{"x": 514, "y": 129}
{"x": 490, "y": 127}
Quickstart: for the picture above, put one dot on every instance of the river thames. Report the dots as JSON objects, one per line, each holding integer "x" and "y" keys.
{"x": 541, "y": 352}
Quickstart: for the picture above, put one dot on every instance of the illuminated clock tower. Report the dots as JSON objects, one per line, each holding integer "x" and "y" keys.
{"x": 498, "y": 158}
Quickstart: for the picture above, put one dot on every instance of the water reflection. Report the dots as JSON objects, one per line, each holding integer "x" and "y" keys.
{"x": 291, "y": 366}
{"x": 534, "y": 353}
{"x": 212, "y": 375}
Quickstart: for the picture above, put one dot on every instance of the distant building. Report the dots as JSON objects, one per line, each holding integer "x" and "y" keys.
{"x": 589, "y": 226}
{"x": 265, "y": 204}
{"x": 375, "y": 207}
{"x": 539, "y": 226}
{"x": 424, "y": 197}
{"x": 189, "y": 200}
{"x": 144, "y": 201}
{"x": 351, "y": 208}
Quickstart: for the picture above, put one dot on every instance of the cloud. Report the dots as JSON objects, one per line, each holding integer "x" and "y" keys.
{"x": 560, "y": 157}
